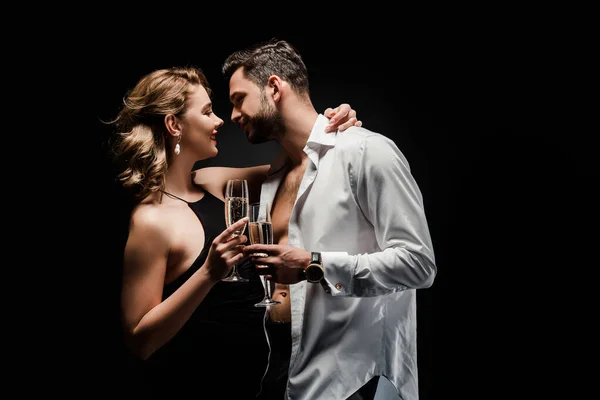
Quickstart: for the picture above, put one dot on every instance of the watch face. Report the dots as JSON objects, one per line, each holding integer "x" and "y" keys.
{"x": 314, "y": 273}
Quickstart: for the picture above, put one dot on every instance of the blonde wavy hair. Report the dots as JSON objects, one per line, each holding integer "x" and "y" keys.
{"x": 139, "y": 148}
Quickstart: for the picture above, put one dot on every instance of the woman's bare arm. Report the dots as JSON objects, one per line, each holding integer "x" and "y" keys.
{"x": 149, "y": 321}
{"x": 214, "y": 179}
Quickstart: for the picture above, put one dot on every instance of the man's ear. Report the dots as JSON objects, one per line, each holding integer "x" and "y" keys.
{"x": 275, "y": 86}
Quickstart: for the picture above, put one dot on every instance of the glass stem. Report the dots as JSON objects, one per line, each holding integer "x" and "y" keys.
{"x": 268, "y": 288}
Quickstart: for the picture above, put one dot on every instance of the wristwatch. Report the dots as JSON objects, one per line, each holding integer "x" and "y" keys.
{"x": 314, "y": 273}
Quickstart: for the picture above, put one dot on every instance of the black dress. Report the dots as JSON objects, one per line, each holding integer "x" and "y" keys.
{"x": 221, "y": 352}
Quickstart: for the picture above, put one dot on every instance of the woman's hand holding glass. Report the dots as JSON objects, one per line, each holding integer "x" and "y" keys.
{"x": 236, "y": 208}
{"x": 225, "y": 251}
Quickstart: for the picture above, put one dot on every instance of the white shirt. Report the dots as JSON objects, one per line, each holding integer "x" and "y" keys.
{"x": 358, "y": 205}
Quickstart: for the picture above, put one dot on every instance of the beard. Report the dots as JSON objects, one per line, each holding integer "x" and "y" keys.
{"x": 266, "y": 124}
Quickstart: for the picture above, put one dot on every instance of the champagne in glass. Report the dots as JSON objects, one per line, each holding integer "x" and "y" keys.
{"x": 261, "y": 231}
{"x": 236, "y": 208}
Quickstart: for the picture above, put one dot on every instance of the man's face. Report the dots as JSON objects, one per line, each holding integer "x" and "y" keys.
{"x": 253, "y": 110}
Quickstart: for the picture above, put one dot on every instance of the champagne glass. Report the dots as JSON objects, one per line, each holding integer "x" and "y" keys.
{"x": 261, "y": 231}
{"x": 236, "y": 208}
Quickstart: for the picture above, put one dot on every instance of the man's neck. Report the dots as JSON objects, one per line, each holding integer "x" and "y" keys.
{"x": 299, "y": 122}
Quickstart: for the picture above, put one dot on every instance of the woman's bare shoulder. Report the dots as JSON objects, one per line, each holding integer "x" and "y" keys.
{"x": 148, "y": 217}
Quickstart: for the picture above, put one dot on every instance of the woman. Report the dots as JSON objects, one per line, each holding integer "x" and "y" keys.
{"x": 195, "y": 333}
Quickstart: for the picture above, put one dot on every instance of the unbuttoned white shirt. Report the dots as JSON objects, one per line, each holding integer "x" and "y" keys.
{"x": 358, "y": 205}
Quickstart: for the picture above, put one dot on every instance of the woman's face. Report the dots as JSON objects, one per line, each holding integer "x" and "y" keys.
{"x": 200, "y": 126}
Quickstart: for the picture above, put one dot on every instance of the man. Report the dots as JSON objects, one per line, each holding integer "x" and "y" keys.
{"x": 351, "y": 236}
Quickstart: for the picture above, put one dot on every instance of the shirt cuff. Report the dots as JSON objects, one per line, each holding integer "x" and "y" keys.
{"x": 339, "y": 269}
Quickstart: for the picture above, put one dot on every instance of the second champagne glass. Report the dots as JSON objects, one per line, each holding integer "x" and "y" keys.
{"x": 236, "y": 208}
{"x": 261, "y": 231}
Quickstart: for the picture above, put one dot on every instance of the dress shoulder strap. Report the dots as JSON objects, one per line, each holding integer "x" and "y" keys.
{"x": 175, "y": 197}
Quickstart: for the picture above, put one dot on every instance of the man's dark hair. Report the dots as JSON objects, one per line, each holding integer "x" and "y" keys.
{"x": 273, "y": 57}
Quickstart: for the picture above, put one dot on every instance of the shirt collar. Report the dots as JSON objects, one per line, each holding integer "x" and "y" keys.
{"x": 318, "y": 137}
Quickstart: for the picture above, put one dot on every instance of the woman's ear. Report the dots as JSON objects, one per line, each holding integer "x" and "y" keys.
{"x": 172, "y": 125}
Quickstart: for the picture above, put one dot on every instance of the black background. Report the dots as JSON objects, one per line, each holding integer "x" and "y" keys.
{"x": 461, "y": 102}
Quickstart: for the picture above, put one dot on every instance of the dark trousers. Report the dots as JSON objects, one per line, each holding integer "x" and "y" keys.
{"x": 275, "y": 382}
{"x": 367, "y": 392}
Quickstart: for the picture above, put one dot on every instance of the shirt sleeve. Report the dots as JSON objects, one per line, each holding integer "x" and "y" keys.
{"x": 391, "y": 201}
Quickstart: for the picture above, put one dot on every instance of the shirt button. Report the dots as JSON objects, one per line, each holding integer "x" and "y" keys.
{"x": 338, "y": 286}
